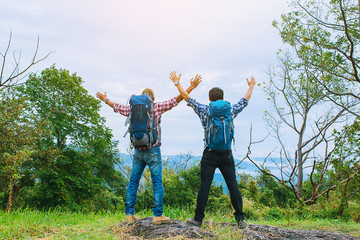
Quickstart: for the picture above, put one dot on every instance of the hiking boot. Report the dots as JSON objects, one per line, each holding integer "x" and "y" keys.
{"x": 241, "y": 224}
{"x": 193, "y": 222}
{"x": 131, "y": 218}
{"x": 160, "y": 220}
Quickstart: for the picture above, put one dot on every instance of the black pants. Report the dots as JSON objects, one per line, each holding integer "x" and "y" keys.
{"x": 225, "y": 162}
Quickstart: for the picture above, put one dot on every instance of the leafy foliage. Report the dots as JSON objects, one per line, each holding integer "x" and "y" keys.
{"x": 314, "y": 90}
{"x": 20, "y": 131}
{"x": 265, "y": 190}
{"x": 346, "y": 162}
{"x": 326, "y": 36}
{"x": 74, "y": 164}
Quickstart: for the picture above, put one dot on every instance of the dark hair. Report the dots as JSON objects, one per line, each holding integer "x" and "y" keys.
{"x": 216, "y": 94}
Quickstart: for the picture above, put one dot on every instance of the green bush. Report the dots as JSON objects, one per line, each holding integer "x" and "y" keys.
{"x": 354, "y": 211}
{"x": 273, "y": 214}
{"x": 218, "y": 200}
{"x": 252, "y": 210}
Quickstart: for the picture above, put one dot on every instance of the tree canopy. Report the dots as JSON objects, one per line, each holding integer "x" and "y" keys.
{"x": 74, "y": 163}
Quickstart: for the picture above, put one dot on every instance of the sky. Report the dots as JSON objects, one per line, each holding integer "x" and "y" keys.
{"x": 121, "y": 47}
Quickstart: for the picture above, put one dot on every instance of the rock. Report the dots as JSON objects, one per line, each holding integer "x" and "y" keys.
{"x": 260, "y": 232}
{"x": 265, "y": 232}
{"x": 146, "y": 230}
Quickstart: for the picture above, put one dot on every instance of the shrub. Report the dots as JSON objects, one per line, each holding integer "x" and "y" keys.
{"x": 252, "y": 209}
{"x": 273, "y": 213}
{"x": 354, "y": 211}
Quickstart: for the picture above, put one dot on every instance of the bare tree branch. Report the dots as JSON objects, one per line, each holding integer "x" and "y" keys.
{"x": 351, "y": 57}
{"x": 17, "y": 74}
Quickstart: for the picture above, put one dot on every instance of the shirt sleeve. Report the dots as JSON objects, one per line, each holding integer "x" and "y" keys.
{"x": 123, "y": 110}
{"x": 238, "y": 107}
{"x": 162, "y": 107}
{"x": 201, "y": 110}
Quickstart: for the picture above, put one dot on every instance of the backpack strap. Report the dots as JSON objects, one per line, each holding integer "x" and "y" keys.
{"x": 158, "y": 130}
{"x": 214, "y": 132}
{"x": 148, "y": 124}
{"x": 126, "y": 123}
{"x": 127, "y": 132}
{"x": 223, "y": 121}
{"x": 210, "y": 128}
{"x": 232, "y": 126}
{"x": 128, "y": 119}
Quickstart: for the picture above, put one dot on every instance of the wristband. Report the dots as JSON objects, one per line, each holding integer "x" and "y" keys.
{"x": 106, "y": 100}
{"x": 176, "y": 83}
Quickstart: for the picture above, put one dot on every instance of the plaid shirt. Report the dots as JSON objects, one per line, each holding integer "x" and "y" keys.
{"x": 159, "y": 108}
{"x": 203, "y": 110}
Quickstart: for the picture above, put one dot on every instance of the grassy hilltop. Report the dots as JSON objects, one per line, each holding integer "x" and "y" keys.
{"x": 56, "y": 224}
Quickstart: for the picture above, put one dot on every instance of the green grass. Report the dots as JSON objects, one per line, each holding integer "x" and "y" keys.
{"x": 58, "y": 225}
{"x": 55, "y": 224}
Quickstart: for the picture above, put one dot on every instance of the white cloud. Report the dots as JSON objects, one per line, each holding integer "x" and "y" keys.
{"x": 122, "y": 47}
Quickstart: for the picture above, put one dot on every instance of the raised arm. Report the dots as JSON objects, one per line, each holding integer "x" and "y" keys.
{"x": 251, "y": 84}
{"x": 193, "y": 84}
{"x": 103, "y": 97}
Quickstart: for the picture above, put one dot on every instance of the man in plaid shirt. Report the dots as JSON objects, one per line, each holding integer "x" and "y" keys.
{"x": 148, "y": 156}
{"x": 212, "y": 159}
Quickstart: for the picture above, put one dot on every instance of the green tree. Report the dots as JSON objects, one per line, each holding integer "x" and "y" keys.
{"x": 249, "y": 186}
{"x": 326, "y": 36}
{"x": 314, "y": 87}
{"x": 20, "y": 131}
{"x": 272, "y": 192}
{"x": 301, "y": 112}
{"x": 346, "y": 164}
{"x": 181, "y": 186}
{"x": 85, "y": 166}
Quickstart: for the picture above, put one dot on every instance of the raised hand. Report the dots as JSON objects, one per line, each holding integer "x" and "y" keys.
{"x": 251, "y": 82}
{"x": 174, "y": 77}
{"x": 194, "y": 82}
{"x": 101, "y": 96}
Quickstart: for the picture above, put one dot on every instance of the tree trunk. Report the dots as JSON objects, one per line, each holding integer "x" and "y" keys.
{"x": 13, "y": 193}
{"x": 300, "y": 155}
{"x": 11, "y": 198}
{"x": 300, "y": 175}
{"x": 344, "y": 200}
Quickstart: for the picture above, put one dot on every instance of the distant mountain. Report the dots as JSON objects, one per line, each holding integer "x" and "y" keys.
{"x": 242, "y": 167}
{"x": 187, "y": 160}
{"x": 174, "y": 160}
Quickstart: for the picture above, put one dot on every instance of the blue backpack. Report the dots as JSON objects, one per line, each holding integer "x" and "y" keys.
{"x": 142, "y": 128}
{"x": 219, "y": 131}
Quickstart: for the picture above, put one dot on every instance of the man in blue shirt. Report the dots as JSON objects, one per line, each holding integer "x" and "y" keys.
{"x": 212, "y": 159}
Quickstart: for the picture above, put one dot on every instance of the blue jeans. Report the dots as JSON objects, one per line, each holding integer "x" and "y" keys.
{"x": 152, "y": 158}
